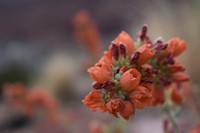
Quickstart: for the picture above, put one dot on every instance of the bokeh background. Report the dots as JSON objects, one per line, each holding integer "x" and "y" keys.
{"x": 37, "y": 48}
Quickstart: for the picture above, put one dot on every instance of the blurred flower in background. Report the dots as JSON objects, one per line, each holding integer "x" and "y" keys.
{"x": 86, "y": 32}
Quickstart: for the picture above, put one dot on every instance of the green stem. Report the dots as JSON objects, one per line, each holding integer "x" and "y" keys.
{"x": 172, "y": 120}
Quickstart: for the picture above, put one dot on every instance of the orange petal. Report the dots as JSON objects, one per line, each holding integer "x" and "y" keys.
{"x": 128, "y": 110}
{"x": 142, "y": 96}
{"x": 180, "y": 77}
{"x": 145, "y": 53}
{"x": 94, "y": 101}
{"x": 126, "y": 39}
{"x": 176, "y": 96}
{"x": 176, "y": 46}
{"x": 176, "y": 67}
{"x": 130, "y": 79}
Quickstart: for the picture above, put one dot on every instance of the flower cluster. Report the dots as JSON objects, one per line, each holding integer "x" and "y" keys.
{"x": 132, "y": 75}
{"x": 18, "y": 95}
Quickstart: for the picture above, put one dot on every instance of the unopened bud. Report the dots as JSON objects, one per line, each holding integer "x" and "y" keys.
{"x": 122, "y": 48}
{"x": 165, "y": 81}
{"x": 123, "y": 69}
{"x": 97, "y": 85}
{"x": 134, "y": 57}
{"x": 111, "y": 94}
{"x": 143, "y": 32}
{"x": 152, "y": 70}
{"x": 160, "y": 46}
{"x": 115, "y": 51}
{"x": 169, "y": 59}
{"x": 146, "y": 80}
{"x": 108, "y": 84}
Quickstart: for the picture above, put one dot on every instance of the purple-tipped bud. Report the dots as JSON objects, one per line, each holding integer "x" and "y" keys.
{"x": 160, "y": 46}
{"x": 152, "y": 70}
{"x": 148, "y": 40}
{"x": 159, "y": 41}
{"x": 165, "y": 81}
{"x": 143, "y": 32}
{"x": 97, "y": 85}
{"x": 122, "y": 48}
{"x": 169, "y": 59}
{"x": 108, "y": 84}
{"x": 115, "y": 51}
{"x": 134, "y": 57}
{"x": 146, "y": 80}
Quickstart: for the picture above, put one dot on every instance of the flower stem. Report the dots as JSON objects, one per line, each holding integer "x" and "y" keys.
{"x": 172, "y": 120}
{"x": 169, "y": 109}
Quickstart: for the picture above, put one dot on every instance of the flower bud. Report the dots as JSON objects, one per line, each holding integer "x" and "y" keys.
{"x": 130, "y": 79}
{"x": 108, "y": 84}
{"x": 146, "y": 80}
{"x": 143, "y": 32}
{"x": 134, "y": 57}
{"x": 122, "y": 48}
{"x": 97, "y": 85}
{"x": 115, "y": 51}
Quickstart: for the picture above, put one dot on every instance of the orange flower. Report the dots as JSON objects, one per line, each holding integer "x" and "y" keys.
{"x": 180, "y": 77}
{"x": 94, "y": 101}
{"x": 95, "y": 127}
{"x": 15, "y": 93}
{"x": 176, "y": 46}
{"x": 107, "y": 58}
{"x": 196, "y": 129}
{"x": 145, "y": 53}
{"x": 130, "y": 79}
{"x": 38, "y": 96}
{"x": 158, "y": 96}
{"x": 102, "y": 70}
{"x": 126, "y": 39}
{"x": 124, "y": 108}
{"x": 128, "y": 110}
{"x": 176, "y": 93}
{"x": 176, "y": 96}
{"x": 86, "y": 31}
{"x": 142, "y": 96}
{"x": 176, "y": 67}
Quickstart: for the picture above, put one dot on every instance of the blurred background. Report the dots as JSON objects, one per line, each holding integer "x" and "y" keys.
{"x": 45, "y": 56}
